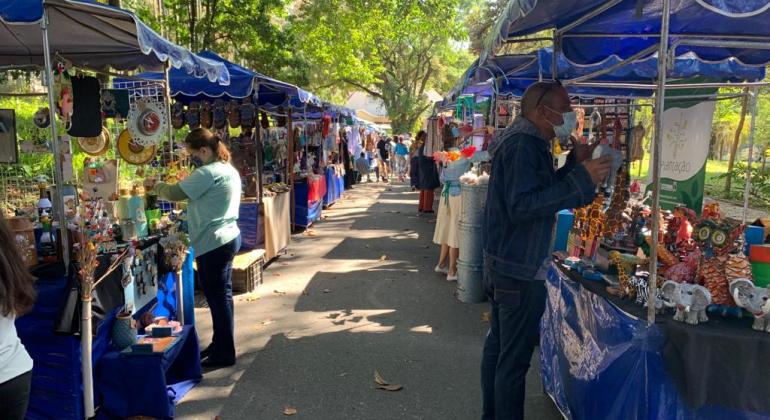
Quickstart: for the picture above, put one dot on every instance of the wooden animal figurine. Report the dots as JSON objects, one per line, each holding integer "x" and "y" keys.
{"x": 753, "y": 299}
{"x": 689, "y": 300}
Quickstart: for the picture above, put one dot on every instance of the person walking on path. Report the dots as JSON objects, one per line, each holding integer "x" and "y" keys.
{"x": 214, "y": 194}
{"x": 525, "y": 193}
{"x": 384, "y": 155}
{"x": 401, "y": 155}
{"x": 427, "y": 174}
{"x": 362, "y": 166}
{"x": 17, "y": 294}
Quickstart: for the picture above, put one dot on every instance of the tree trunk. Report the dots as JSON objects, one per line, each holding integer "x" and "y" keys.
{"x": 193, "y": 19}
{"x": 736, "y": 141}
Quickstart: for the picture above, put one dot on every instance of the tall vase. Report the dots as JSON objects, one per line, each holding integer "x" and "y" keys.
{"x": 123, "y": 331}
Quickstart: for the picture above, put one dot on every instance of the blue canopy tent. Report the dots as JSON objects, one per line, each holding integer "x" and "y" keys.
{"x": 243, "y": 83}
{"x": 93, "y": 36}
{"x": 512, "y": 74}
{"x": 734, "y": 29}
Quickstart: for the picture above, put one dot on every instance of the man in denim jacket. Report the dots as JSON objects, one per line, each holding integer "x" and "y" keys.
{"x": 525, "y": 193}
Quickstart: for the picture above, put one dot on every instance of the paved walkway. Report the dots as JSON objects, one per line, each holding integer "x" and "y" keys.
{"x": 356, "y": 294}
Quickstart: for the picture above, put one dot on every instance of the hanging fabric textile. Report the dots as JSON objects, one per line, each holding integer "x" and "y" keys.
{"x": 86, "y": 111}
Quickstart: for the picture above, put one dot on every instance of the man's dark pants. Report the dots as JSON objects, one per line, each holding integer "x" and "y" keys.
{"x": 517, "y": 307}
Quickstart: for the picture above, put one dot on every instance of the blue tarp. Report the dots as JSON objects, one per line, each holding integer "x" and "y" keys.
{"x": 600, "y": 362}
{"x": 514, "y": 73}
{"x": 627, "y": 27}
{"x": 92, "y": 35}
{"x": 621, "y": 26}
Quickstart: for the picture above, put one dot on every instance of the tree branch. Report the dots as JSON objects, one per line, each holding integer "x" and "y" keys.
{"x": 362, "y": 87}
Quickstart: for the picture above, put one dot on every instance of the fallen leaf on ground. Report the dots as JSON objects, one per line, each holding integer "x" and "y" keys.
{"x": 384, "y": 385}
{"x": 289, "y": 411}
{"x": 383, "y": 258}
{"x": 326, "y": 290}
{"x": 486, "y": 316}
{"x": 279, "y": 292}
{"x": 265, "y": 323}
{"x": 389, "y": 387}
{"x": 252, "y": 298}
{"x": 277, "y": 274}
{"x": 343, "y": 374}
{"x": 309, "y": 233}
{"x": 378, "y": 379}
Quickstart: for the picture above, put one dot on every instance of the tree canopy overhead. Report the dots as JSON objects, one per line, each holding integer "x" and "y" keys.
{"x": 395, "y": 50}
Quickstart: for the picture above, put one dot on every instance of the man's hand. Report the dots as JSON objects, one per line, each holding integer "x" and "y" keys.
{"x": 582, "y": 152}
{"x": 599, "y": 168}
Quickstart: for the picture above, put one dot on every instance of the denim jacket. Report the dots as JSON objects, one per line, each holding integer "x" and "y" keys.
{"x": 525, "y": 193}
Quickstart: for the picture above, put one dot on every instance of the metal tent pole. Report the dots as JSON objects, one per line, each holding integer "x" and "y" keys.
{"x": 85, "y": 318}
{"x": 660, "y": 97}
{"x": 258, "y": 143}
{"x": 56, "y": 145}
{"x": 167, "y": 97}
{"x": 752, "y": 132}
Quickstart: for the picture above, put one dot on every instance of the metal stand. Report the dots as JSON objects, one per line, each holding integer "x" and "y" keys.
{"x": 752, "y": 132}
{"x": 180, "y": 297}
{"x": 660, "y": 97}
{"x": 86, "y": 338}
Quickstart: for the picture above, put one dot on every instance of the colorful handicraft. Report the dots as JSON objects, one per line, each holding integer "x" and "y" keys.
{"x": 620, "y": 197}
{"x": 689, "y": 300}
{"x": 626, "y": 267}
{"x": 755, "y": 300}
{"x": 685, "y": 271}
{"x": 715, "y": 281}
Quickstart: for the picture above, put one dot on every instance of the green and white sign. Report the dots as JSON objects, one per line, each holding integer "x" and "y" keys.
{"x": 685, "y": 141}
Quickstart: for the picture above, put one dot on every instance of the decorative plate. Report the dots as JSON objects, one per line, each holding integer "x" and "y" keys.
{"x": 133, "y": 152}
{"x": 147, "y": 122}
{"x": 96, "y": 146}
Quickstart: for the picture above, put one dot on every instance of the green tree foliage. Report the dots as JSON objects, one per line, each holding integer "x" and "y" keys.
{"x": 249, "y": 32}
{"x": 393, "y": 49}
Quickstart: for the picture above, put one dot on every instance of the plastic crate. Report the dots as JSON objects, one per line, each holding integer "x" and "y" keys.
{"x": 247, "y": 270}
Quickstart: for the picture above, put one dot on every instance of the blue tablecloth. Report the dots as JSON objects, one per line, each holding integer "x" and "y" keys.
{"x": 331, "y": 187}
{"x": 600, "y": 362}
{"x": 147, "y": 385}
{"x": 56, "y": 380}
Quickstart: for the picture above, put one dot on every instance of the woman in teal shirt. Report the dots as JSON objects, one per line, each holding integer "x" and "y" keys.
{"x": 213, "y": 190}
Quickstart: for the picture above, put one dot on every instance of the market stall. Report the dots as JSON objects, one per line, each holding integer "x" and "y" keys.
{"x": 693, "y": 273}
{"x": 249, "y": 114}
{"x": 117, "y": 254}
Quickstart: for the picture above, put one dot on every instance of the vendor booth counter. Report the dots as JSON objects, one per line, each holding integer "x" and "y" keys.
{"x": 125, "y": 385}
{"x": 308, "y": 200}
{"x": 600, "y": 359}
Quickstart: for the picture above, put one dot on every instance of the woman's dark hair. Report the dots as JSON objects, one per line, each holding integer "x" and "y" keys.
{"x": 202, "y": 137}
{"x": 17, "y": 290}
{"x": 421, "y": 135}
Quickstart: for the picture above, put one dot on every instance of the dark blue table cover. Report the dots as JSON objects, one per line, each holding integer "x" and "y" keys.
{"x": 56, "y": 380}
{"x": 600, "y": 362}
{"x": 340, "y": 186}
{"x": 331, "y": 187}
{"x": 305, "y": 213}
{"x": 146, "y": 385}
{"x": 251, "y": 226}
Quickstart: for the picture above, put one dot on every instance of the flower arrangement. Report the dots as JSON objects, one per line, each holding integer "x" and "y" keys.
{"x": 175, "y": 246}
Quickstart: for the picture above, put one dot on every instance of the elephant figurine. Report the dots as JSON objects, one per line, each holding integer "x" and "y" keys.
{"x": 753, "y": 299}
{"x": 689, "y": 300}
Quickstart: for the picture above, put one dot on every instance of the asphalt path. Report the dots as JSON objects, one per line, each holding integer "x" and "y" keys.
{"x": 355, "y": 294}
